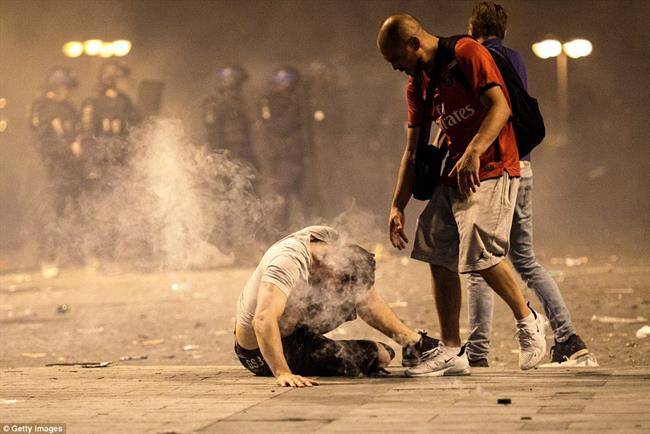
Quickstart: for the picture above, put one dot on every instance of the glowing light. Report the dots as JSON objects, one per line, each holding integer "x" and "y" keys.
{"x": 92, "y": 47}
{"x": 3, "y": 126}
{"x": 547, "y": 48}
{"x": 319, "y": 116}
{"x": 578, "y": 48}
{"x": 107, "y": 50}
{"x": 73, "y": 49}
{"x": 121, "y": 47}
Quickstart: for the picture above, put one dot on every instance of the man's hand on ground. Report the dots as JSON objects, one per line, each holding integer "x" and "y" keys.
{"x": 292, "y": 380}
{"x": 467, "y": 172}
{"x": 396, "y": 232}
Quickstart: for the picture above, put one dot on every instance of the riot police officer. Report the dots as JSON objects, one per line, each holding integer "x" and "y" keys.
{"x": 107, "y": 117}
{"x": 284, "y": 123}
{"x": 53, "y": 119}
{"x": 225, "y": 114}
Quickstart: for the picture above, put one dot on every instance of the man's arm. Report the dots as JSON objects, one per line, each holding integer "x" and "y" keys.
{"x": 377, "y": 314}
{"x": 467, "y": 167}
{"x": 270, "y": 306}
{"x": 403, "y": 190}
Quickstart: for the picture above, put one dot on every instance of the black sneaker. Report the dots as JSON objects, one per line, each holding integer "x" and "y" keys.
{"x": 479, "y": 363}
{"x": 570, "y": 349}
{"x": 413, "y": 355}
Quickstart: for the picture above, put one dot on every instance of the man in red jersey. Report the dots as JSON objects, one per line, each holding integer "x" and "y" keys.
{"x": 465, "y": 226}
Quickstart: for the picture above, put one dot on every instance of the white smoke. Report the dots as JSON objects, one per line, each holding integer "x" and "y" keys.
{"x": 175, "y": 205}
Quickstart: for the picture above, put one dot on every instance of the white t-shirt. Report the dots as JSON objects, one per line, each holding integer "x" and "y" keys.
{"x": 286, "y": 265}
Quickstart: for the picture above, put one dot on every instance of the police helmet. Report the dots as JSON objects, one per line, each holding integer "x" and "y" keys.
{"x": 60, "y": 76}
{"x": 285, "y": 77}
{"x": 230, "y": 76}
{"x": 111, "y": 71}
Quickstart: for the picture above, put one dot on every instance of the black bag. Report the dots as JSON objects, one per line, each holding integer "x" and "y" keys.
{"x": 527, "y": 119}
{"x": 428, "y": 158}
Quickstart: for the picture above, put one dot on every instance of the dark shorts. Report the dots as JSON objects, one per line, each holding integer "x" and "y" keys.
{"x": 309, "y": 353}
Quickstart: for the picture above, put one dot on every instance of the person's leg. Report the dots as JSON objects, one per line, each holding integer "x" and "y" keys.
{"x": 501, "y": 278}
{"x": 532, "y": 272}
{"x": 437, "y": 242}
{"x": 480, "y": 306}
{"x": 485, "y": 220}
{"x": 313, "y": 354}
{"x": 446, "y": 292}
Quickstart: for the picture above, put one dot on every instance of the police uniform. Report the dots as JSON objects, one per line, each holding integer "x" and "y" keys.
{"x": 54, "y": 123}
{"x": 286, "y": 143}
{"x": 225, "y": 115}
{"x": 105, "y": 122}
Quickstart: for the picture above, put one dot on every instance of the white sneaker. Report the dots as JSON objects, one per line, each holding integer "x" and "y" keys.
{"x": 532, "y": 342}
{"x": 441, "y": 362}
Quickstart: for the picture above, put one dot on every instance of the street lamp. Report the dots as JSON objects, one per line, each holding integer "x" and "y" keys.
{"x": 73, "y": 49}
{"x": 92, "y": 47}
{"x": 577, "y": 48}
{"x": 574, "y": 49}
{"x": 97, "y": 47}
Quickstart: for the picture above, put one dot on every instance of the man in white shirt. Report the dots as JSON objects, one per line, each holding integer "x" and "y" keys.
{"x": 306, "y": 285}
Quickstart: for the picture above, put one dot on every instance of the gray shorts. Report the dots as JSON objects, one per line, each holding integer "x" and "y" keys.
{"x": 466, "y": 234}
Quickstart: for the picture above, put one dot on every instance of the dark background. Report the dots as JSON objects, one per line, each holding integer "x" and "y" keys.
{"x": 591, "y": 195}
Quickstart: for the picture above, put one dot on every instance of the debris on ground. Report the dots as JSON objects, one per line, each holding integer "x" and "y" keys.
{"x": 179, "y": 287}
{"x": 504, "y": 401}
{"x": 9, "y": 401}
{"x": 398, "y": 304}
{"x": 190, "y": 347}
{"x": 575, "y": 262}
{"x": 570, "y": 262}
{"x": 34, "y": 355}
{"x": 125, "y": 358}
{"x": 49, "y": 271}
{"x": 82, "y": 364}
{"x": 62, "y": 308}
{"x": 153, "y": 342}
{"x": 618, "y": 320}
{"x": 643, "y": 332}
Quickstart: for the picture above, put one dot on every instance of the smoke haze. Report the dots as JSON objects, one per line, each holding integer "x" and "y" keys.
{"x": 590, "y": 194}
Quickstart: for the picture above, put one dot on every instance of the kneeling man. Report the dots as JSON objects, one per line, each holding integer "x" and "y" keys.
{"x": 306, "y": 285}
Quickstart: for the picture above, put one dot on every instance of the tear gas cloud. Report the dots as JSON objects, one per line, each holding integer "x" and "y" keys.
{"x": 174, "y": 206}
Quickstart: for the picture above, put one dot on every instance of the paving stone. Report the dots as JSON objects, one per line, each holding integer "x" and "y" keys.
{"x": 159, "y": 399}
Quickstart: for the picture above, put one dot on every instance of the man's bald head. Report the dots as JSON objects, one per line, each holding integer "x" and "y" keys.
{"x": 396, "y": 31}
{"x": 404, "y": 43}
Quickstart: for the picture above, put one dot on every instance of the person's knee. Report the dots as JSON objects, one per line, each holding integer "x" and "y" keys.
{"x": 525, "y": 264}
{"x": 385, "y": 354}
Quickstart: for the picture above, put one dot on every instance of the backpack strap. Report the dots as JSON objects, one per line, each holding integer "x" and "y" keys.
{"x": 446, "y": 56}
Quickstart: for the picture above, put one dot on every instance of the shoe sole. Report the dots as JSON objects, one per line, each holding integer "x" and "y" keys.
{"x": 579, "y": 354}
{"x": 441, "y": 373}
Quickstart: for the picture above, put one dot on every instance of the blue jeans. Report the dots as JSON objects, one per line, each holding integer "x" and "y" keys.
{"x": 481, "y": 297}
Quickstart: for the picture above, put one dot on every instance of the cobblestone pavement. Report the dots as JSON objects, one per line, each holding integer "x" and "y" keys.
{"x": 210, "y": 399}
